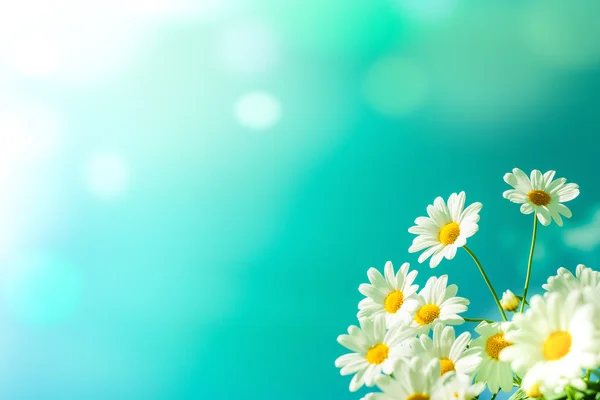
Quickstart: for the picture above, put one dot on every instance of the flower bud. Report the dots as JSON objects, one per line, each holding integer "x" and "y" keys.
{"x": 509, "y": 301}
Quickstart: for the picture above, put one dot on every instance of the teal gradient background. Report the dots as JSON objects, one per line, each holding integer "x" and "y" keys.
{"x": 192, "y": 191}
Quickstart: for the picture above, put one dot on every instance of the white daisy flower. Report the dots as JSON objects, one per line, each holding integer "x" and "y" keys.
{"x": 447, "y": 228}
{"x": 558, "y": 334}
{"x": 542, "y": 194}
{"x": 436, "y": 302}
{"x": 458, "y": 387}
{"x": 535, "y": 383}
{"x": 420, "y": 381}
{"x": 375, "y": 350}
{"x": 386, "y": 296}
{"x": 451, "y": 351}
{"x": 565, "y": 282}
{"x": 497, "y": 374}
{"x": 509, "y": 301}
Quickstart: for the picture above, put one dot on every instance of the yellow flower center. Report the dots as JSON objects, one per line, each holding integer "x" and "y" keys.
{"x": 449, "y": 233}
{"x": 534, "y": 391}
{"x": 427, "y": 314}
{"x": 446, "y": 365}
{"x": 495, "y": 344}
{"x": 393, "y": 301}
{"x": 557, "y": 345}
{"x": 539, "y": 197}
{"x": 418, "y": 396}
{"x": 378, "y": 353}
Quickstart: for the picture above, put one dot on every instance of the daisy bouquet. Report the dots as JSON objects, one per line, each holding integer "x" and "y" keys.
{"x": 544, "y": 347}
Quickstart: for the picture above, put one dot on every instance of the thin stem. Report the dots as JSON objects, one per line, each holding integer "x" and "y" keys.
{"x": 489, "y": 321}
{"x": 535, "y": 223}
{"x": 494, "y": 396}
{"x": 486, "y": 281}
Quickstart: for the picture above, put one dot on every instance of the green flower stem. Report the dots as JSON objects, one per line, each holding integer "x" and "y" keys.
{"x": 489, "y": 321}
{"x": 535, "y": 223}
{"x": 486, "y": 281}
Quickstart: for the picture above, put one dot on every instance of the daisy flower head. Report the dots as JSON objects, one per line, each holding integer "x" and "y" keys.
{"x": 565, "y": 282}
{"x": 375, "y": 350}
{"x": 436, "y": 302}
{"x": 497, "y": 374}
{"x": 386, "y": 295}
{"x": 451, "y": 351}
{"x": 458, "y": 387}
{"x": 541, "y": 194}
{"x": 557, "y": 334}
{"x": 419, "y": 380}
{"x": 536, "y": 385}
{"x": 447, "y": 228}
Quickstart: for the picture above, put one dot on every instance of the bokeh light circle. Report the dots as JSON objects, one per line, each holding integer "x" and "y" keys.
{"x": 107, "y": 176}
{"x": 258, "y": 110}
{"x": 396, "y": 86}
{"x": 564, "y": 33}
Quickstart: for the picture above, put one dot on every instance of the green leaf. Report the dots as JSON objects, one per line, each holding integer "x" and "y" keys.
{"x": 518, "y": 395}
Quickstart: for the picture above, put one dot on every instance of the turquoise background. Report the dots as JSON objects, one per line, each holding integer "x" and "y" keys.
{"x": 163, "y": 239}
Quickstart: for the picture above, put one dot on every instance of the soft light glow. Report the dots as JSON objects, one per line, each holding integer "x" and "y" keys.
{"x": 564, "y": 34}
{"x": 585, "y": 237}
{"x": 249, "y": 48}
{"x": 78, "y": 42}
{"x": 107, "y": 176}
{"x": 488, "y": 77}
{"x": 258, "y": 110}
{"x": 396, "y": 86}
{"x": 28, "y": 134}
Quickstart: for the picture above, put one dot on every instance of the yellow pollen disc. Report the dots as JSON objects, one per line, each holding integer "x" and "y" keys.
{"x": 427, "y": 314}
{"x": 539, "y": 197}
{"x": 378, "y": 353}
{"x": 449, "y": 233}
{"x": 534, "y": 391}
{"x": 393, "y": 301}
{"x": 418, "y": 396}
{"x": 446, "y": 365}
{"x": 557, "y": 345}
{"x": 495, "y": 344}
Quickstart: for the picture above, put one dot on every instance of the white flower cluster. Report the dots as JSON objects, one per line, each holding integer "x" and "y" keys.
{"x": 406, "y": 344}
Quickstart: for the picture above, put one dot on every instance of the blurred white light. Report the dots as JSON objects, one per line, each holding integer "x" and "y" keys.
{"x": 564, "y": 33}
{"x": 42, "y": 290}
{"x": 248, "y": 48}
{"x": 77, "y": 42}
{"x": 427, "y": 10}
{"x": 28, "y": 134}
{"x": 257, "y": 110}
{"x": 585, "y": 237}
{"x": 171, "y": 8}
{"x": 396, "y": 86}
{"x": 107, "y": 176}
{"x": 34, "y": 56}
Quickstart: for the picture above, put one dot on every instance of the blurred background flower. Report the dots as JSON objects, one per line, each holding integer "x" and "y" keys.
{"x": 192, "y": 190}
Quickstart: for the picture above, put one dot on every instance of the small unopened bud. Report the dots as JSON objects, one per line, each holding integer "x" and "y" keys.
{"x": 509, "y": 301}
